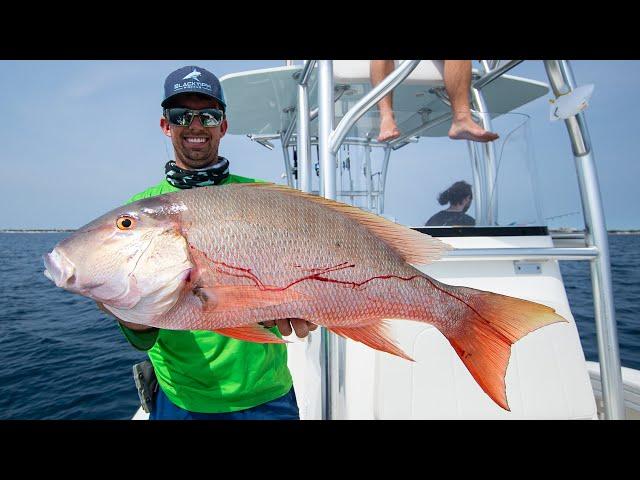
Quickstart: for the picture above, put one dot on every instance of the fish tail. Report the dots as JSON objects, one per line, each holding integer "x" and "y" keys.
{"x": 486, "y": 327}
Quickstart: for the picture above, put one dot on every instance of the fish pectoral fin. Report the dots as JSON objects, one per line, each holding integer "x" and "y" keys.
{"x": 251, "y": 333}
{"x": 375, "y": 335}
{"x": 227, "y": 298}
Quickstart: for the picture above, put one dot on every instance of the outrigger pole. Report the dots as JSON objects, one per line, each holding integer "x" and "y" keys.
{"x": 562, "y": 82}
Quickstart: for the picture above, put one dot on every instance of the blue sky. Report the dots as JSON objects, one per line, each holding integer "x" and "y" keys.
{"x": 80, "y": 137}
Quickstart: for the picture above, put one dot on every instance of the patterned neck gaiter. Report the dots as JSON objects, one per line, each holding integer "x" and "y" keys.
{"x": 181, "y": 178}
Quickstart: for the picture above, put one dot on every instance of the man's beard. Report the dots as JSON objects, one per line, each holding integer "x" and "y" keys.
{"x": 193, "y": 160}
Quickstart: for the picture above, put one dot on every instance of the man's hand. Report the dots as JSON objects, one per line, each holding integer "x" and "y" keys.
{"x": 301, "y": 327}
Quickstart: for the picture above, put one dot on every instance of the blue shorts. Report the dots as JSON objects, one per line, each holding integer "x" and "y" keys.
{"x": 282, "y": 408}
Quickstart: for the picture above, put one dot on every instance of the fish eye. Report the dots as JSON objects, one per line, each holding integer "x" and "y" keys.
{"x": 125, "y": 222}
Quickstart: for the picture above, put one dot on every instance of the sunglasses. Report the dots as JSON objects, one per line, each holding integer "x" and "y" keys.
{"x": 209, "y": 117}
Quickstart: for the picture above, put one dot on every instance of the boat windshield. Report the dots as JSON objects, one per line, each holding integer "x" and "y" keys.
{"x": 432, "y": 180}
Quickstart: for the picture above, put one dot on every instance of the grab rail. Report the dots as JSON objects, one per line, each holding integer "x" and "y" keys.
{"x": 597, "y": 249}
{"x": 545, "y": 253}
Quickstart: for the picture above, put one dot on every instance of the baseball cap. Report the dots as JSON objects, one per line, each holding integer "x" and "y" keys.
{"x": 193, "y": 79}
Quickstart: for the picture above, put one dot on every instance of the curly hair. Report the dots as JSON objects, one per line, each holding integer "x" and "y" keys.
{"x": 456, "y": 193}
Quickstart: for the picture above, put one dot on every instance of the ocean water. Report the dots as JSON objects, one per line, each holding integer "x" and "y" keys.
{"x": 624, "y": 251}
{"x": 62, "y": 358}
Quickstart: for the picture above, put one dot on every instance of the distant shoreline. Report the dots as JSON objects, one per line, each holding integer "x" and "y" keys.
{"x": 37, "y": 230}
{"x": 62, "y": 230}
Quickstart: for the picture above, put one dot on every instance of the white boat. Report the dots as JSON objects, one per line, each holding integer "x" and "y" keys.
{"x": 631, "y": 394}
{"x": 331, "y": 105}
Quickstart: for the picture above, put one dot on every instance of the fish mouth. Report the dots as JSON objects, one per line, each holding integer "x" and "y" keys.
{"x": 59, "y": 269}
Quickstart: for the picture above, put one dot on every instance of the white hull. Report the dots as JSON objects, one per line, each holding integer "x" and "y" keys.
{"x": 631, "y": 383}
{"x": 547, "y": 375}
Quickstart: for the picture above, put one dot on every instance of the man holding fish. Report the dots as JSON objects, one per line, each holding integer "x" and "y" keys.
{"x": 209, "y": 268}
{"x": 202, "y": 374}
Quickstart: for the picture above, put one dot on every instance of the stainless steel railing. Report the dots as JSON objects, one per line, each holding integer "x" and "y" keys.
{"x": 596, "y": 249}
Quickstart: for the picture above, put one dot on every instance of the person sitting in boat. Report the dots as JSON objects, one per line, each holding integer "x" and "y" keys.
{"x": 202, "y": 374}
{"x": 457, "y": 82}
{"x": 459, "y": 197}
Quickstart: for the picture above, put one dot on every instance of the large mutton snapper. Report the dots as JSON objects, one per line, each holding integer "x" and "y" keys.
{"x": 225, "y": 258}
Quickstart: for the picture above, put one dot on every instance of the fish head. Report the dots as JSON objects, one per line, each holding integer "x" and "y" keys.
{"x": 128, "y": 254}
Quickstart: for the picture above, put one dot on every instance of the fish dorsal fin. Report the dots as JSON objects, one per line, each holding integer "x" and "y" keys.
{"x": 412, "y": 246}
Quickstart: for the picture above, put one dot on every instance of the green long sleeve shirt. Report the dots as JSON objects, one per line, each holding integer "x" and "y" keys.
{"x": 202, "y": 371}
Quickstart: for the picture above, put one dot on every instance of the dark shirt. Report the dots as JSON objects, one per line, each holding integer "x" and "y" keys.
{"x": 447, "y": 218}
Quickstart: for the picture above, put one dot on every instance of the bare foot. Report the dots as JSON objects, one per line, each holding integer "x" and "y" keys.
{"x": 388, "y": 129}
{"x": 467, "y": 129}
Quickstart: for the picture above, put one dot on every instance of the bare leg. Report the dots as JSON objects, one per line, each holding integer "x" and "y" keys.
{"x": 379, "y": 69}
{"x": 457, "y": 81}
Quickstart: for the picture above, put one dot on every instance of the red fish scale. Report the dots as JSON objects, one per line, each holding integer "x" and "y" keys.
{"x": 257, "y": 229}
